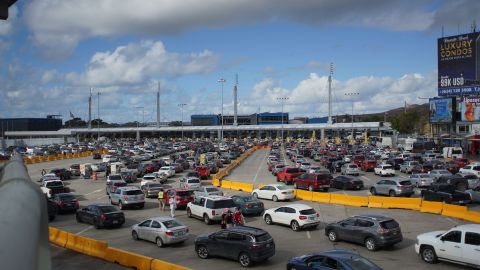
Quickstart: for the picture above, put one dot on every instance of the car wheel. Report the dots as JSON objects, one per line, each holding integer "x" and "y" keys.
{"x": 255, "y": 195}
{"x": 294, "y": 225}
{"x": 206, "y": 219}
{"x": 310, "y": 188}
{"x": 370, "y": 244}
{"x": 275, "y": 198}
{"x": 428, "y": 254}
{"x": 159, "y": 242}
{"x": 96, "y": 224}
{"x": 135, "y": 235}
{"x": 373, "y": 191}
{"x": 189, "y": 213}
{"x": 391, "y": 193}
{"x": 268, "y": 220}
{"x": 202, "y": 252}
{"x": 332, "y": 236}
{"x": 244, "y": 259}
{"x": 295, "y": 186}
{"x": 78, "y": 218}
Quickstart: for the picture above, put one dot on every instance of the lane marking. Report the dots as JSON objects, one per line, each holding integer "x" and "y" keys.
{"x": 308, "y": 235}
{"x": 453, "y": 221}
{"x": 260, "y": 167}
{"x": 104, "y": 196}
{"x": 84, "y": 230}
{"x": 95, "y": 191}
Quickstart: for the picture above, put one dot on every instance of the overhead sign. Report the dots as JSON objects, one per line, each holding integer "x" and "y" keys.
{"x": 458, "y": 73}
{"x": 470, "y": 109}
{"x": 441, "y": 110}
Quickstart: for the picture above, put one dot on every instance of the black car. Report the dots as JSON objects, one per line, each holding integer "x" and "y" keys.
{"x": 460, "y": 183}
{"x": 447, "y": 193}
{"x": 97, "y": 156}
{"x": 242, "y": 243}
{"x": 332, "y": 259}
{"x": 101, "y": 215}
{"x": 63, "y": 174}
{"x": 373, "y": 231}
{"x": 248, "y": 205}
{"x": 346, "y": 182}
{"x": 65, "y": 202}
{"x": 51, "y": 209}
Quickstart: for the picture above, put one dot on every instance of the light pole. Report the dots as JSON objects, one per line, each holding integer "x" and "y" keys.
{"x": 222, "y": 81}
{"x": 282, "y": 100}
{"x": 181, "y": 105}
{"x": 98, "y": 114}
{"x": 352, "y": 94}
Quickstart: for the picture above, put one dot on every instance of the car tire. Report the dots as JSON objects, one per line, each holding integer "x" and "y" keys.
{"x": 370, "y": 244}
{"x": 428, "y": 254}
{"x": 268, "y": 220}
{"x": 159, "y": 242}
{"x": 332, "y": 236}
{"x": 255, "y": 195}
{"x": 206, "y": 219}
{"x": 78, "y": 218}
{"x": 189, "y": 213}
{"x": 141, "y": 206}
{"x": 294, "y": 225}
{"x": 373, "y": 191}
{"x": 244, "y": 259}
{"x": 391, "y": 193}
{"x": 325, "y": 189}
{"x": 202, "y": 252}
{"x": 96, "y": 224}
{"x": 275, "y": 198}
{"x": 135, "y": 235}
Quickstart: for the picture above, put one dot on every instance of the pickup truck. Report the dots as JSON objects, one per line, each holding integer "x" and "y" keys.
{"x": 288, "y": 174}
{"x": 407, "y": 166}
{"x": 460, "y": 183}
{"x": 51, "y": 187}
{"x": 445, "y": 193}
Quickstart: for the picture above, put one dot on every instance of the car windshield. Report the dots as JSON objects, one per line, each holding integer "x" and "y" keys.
{"x": 359, "y": 263}
{"x": 262, "y": 237}
{"x": 193, "y": 181}
{"x": 310, "y": 211}
{"x": 293, "y": 170}
{"x": 211, "y": 189}
{"x": 185, "y": 193}
{"x": 389, "y": 224}
{"x": 133, "y": 192}
{"x": 154, "y": 185}
{"x": 115, "y": 177}
{"x": 405, "y": 183}
{"x": 171, "y": 224}
{"x": 120, "y": 184}
{"x": 54, "y": 184}
{"x": 282, "y": 187}
{"x": 107, "y": 209}
{"x": 248, "y": 199}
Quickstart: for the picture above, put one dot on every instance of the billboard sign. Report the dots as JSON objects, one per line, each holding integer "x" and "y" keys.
{"x": 441, "y": 110}
{"x": 470, "y": 109}
{"x": 459, "y": 65}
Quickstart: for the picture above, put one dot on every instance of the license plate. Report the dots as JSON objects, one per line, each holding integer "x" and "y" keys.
{"x": 311, "y": 218}
{"x": 179, "y": 233}
{"x": 115, "y": 221}
{"x": 255, "y": 206}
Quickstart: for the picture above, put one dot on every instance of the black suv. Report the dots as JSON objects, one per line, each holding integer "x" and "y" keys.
{"x": 63, "y": 174}
{"x": 242, "y": 243}
{"x": 373, "y": 231}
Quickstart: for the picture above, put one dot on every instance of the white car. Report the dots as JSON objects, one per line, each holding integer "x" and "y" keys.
{"x": 160, "y": 230}
{"x": 471, "y": 169}
{"x": 458, "y": 245}
{"x": 305, "y": 165}
{"x": 297, "y": 216}
{"x": 209, "y": 208}
{"x": 384, "y": 170}
{"x": 168, "y": 170}
{"x": 149, "y": 178}
{"x": 275, "y": 192}
{"x": 190, "y": 183}
{"x": 208, "y": 191}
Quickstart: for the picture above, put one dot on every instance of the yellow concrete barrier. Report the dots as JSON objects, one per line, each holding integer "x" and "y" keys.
{"x": 321, "y": 197}
{"x": 162, "y": 265}
{"x": 226, "y": 184}
{"x": 349, "y": 200}
{"x": 402, "y": 203}
{"x": 246, "y": 187}
{"x": 472, "y": 216}
{"x": 455, "y": 211}
{"x": 27, "y": 161}
{"x": 58, "y": 237}
{"x": 86, "y": 245}
{"x": 51, "y": 158}
{"x": 128, "y": 259}
{"x": 431, "y": 207}
{"x": 375, "y": 202}
{"x": 215, "y": 181}
{"x": 303, "y": 195}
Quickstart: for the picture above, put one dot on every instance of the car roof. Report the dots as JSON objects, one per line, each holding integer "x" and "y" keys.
{"x": 297, "y": 206}
{"x": 129, "y": 188}
{"x": 216, "y": 197}
{"x": 161, "y": 219}
{"x": 469, "y": 227}
{"x": 374, "y": 217}
{"x": 247, "y": 229}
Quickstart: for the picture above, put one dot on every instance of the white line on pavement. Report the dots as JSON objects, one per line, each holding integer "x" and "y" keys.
{"x": 84, "y": 230}
{"x": 95, "y": 191}
{"x": 104, "y": 196}
{"x": 260, "y": 167}
{"x": 308, "y": 235}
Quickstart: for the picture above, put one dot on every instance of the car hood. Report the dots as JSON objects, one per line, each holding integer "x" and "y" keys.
{"x": 430, "y": 235}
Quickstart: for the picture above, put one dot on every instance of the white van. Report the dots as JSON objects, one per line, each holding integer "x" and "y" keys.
{"x": 452, "y": 152}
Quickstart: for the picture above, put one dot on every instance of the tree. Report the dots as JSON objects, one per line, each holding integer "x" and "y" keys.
{"x": 75, "y": 122}
{"x": 406, "y": 123}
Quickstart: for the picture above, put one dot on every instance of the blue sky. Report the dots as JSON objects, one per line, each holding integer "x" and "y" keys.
{"x": 54, "y": 52}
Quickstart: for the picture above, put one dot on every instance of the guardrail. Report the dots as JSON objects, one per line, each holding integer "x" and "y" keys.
{"x": 24, "y": 220}
{"x": 40, "y": 159}
{"x": 102, "y": 250}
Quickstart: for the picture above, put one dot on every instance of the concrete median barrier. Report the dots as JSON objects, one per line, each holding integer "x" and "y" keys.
{"x": 402, "y": 203}
{"x": 226, "y": 184}
{"x": 431, "y": 207}
{"x": 58, "y": 237}
{"x": 86, "y": 245}
{"x": 215, "y": 181}
{"x": 246, "y": 187}
{"x": 128, "y": 259}
{"x": 321, "y": 197}
{"x": 303, "y": 195}
{"x": 375, "y": 202}
{"x": 455, "y": 211}
{"x": 162, "y": 265}
{"x": 349, "y": 200}
{"x": 472, "y": 216}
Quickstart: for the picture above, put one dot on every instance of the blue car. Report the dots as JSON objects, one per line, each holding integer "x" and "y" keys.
{"x": 333, "y": 259}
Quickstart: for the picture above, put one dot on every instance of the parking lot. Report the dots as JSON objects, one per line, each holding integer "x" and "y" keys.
{"x": 288, "y": 242}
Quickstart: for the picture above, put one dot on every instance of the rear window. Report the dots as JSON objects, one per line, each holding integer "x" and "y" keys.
{"x": 283, "y": 187}
{"x": 262, "y": 237}
{"x": 389, "y": 224}
{"x": 308, "y": 212}
{"x": 211, "y": 189}
{"x": 220, "y": 204}
{"x": 115, "y": 177}
{"x": 405, "y": 183}
{"x": 359, "y": 263}
{"x": 133, "y": 192}
{"x": 67, "y": 197}
{"x": 107, "y": 209}
{"x": 171, "y": 224}
{"x": 293, "y": 170}
{"x": 54, "y": 184}
{"x": 148, "y": 178}
{"x": 120, "y": 184}
{"x": 185, "y": 193}
{"x": 194, "y": 181}
{"x": 154, "y": 185}
{"x": 456, "y": 152}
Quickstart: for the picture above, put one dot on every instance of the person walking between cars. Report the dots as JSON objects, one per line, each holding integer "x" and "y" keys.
{"x": 173, "y": 205}
{"x": 161, "y": 202}
{"x": 44, "y": 172}
{"x": 223, "y": 222}
{"x": 238, "y": 219}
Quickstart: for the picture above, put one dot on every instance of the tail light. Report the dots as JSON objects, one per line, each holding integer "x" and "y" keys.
{"x": 382, "y": 230}
{"x": 102, "y": 217}
{"x": 248, "y": 205}
{"x": 284, "y": 192}
{"x": 49, "y": 191}
{"x": 169, "y": 233}
{"x": 77, "y": 203}
{"x": 255, "y": 246}
{"x": 302, "y": 217}
{"x": 125, "y": 198}
{"x": 61, "y": 204}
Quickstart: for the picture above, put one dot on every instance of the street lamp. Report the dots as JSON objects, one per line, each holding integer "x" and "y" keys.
{"x": 181, "y": 105}
{"x": 352, "y": 95}
{"x": 98, "y": 114}
{"x": 282, "y": 100}
{"x": 222, "y": 81}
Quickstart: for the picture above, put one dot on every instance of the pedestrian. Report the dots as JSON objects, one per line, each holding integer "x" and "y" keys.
{"x": 173, "y": 206}
{"x": 44, "y": 172}
{"x": 161, "y": 202}
{"x": 229, "y": 219}
{"x": 223, "y": 222}
{"x": 238, "y": 219}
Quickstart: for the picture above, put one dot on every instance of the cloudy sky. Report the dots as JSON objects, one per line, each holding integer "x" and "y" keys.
{"x": 54, "y": 51}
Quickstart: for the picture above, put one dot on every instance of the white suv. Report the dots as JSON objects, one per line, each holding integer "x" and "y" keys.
{"x": 460, "y": 244}
{"x": 209, "y": 208}
{"x": 296, "y": 216}
{"x": 471, "y": 169}
{"x": 384, "y": 170}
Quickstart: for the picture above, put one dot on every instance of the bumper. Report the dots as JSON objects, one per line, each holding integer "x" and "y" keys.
{"x": 389, "y": 240}
{"x": 261, "y": 256}
{"x": 286, "y": 197}
{"x": 309, "y": 224}
{"x": 417, "y": 248}
{"x": 133, "y": 204}
{"x": 113, "y": 222}
{"x": 175, "y": 239}
{"x": 404, "y": 193}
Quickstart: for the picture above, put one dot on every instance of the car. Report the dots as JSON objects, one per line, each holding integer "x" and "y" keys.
{"x": 446, "y": 193}
{"x": 242, "y": 243}
{"x": 384, "y": 170}
{"x": 457, "y": 245}
{"x": 52, "y": 187}
{"x": 332, "y": 259}
{"x": 346, "y": 182}
{"x": 407, "y": 166}
{"x": 75, "y": 169}
{"x": 47, "y": 177}
{"x": 460, "y": 162}
{"x": 451, "y": 167}
{"x": 208, "y": 191}
{"x": 393, "y": 187}
{"x": 168, "y": 170}
{"x": 150, "y": 178}
{"x": 436, "y": 174}
{"x": 460, "y": 183}
{"x": 277, "y": 168}
{"x": 97, "y": 156}
{"x": 288, "y": 174}
{"x": 274, "y": 192}
{"x": 182, "y": 197}
{"x": 128, "y": 196}
{"x": 100, "y": 216}
{"x": 190, "y": 183}
{"x": 65, "y": 202}
{"x": 349, "y": 169}
{"x": 297, "y": 216}
{"x": 373, "y": 231}
{"x": 129, "y": 176}
{"x": 368, "y": 165}
{"x": 209, "y": 208}
{"x": 52, "y": 209}
{"x": 312, "y": 181}
{"x": 474, "y": 194}
{"x": 471, "y": 169}
{"x": 63, "y": 174}
{"x": 151, "y": 189}
{"x": 318, "y": 169}
{"x": 112, "y": 185}
{"x": 421, "y": 179}
{"x": 248, "y": 205}
{"x": 305, "y": 165}
{"x": 114, "y": 177}
{"x": 161, "y": 230}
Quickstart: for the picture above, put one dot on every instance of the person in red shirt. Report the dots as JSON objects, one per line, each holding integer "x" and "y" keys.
{"x": 238, "y": 218}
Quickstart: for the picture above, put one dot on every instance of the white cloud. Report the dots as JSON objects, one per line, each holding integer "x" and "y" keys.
{"x": 6, "y": 27}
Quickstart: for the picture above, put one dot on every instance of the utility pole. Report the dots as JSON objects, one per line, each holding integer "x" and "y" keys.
{"x": 330, "y": 95}
{"x": 352, "y": 94}
{"x": 222, "y": 81}
{"x": 158, "y": 105}
{"x": 282, "y": 100}
{"x": 90, "y": 109}
{"x": 181, "y": 105}
{"x": 98, "y": 114}
{"x": 235, "y": 94}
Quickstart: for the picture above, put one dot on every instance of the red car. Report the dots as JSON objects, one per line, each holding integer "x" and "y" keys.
{"x": 461, "y": 162}
{"x": 183, "y": 196}
{"x": 203, "y": 171}
{"x": 313, "y": 181}
{"x": 368, "y": 165}
{"x": 358, "y": 160}
{"x": 288, "y": 174}
{"x": 421, "y": 169}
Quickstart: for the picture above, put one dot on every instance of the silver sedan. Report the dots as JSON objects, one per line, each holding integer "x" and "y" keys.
{"x": 421, "y": 179}
{"x": 160, "y": 230}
